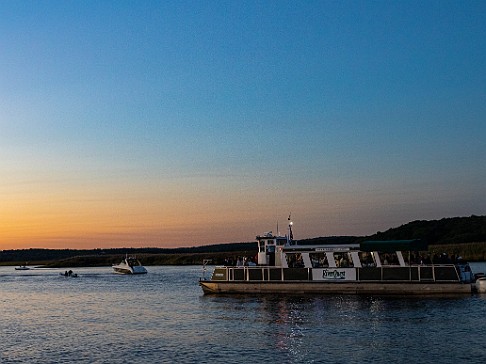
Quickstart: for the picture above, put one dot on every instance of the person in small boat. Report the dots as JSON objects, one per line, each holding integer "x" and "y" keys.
{"x": 66, "y": 273}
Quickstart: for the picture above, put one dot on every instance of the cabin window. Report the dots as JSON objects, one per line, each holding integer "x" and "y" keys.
{"x": 367, "y": 259}
{"x": 388, "y": 258}
{"x": 294, "y": 260}
{"x": 261, "y": 246}
{"x": 343, "y": 260}
{"x": 319, "y": 260}
{"x": 281, "y": 242}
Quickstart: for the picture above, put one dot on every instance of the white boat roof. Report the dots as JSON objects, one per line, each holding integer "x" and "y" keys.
{"x": 326, "y": 247}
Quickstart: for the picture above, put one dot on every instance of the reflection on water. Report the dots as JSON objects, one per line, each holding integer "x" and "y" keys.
{"x": 162, "y": 317}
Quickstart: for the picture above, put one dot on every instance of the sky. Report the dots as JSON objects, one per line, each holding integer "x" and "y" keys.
{"x": 186, "y": 123}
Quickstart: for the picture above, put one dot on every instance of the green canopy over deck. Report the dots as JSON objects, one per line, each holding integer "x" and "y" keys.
{"x": 393, "y": 245}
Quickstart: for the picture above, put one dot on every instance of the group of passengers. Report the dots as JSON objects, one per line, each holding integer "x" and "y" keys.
{"x": 389, "y": 259}
{"x": 419, "y": 259}
{"x": 240, "y": 262}
{"x": 444, "y": 258}
{"x": 319, "y": 260}
{"x": 343, "y": 260}
{"x": 425, "y": 259}
{"x": 295, "y": 260}
{"x": 69, "y": 273}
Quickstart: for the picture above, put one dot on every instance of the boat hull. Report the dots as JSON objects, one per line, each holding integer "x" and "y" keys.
{"x": 352, "y": 288}
{"x": 130, "y": 265}
{"x": 123, "y": 270}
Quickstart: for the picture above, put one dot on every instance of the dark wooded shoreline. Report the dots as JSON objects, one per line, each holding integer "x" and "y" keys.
{"x": 461, "y": 236}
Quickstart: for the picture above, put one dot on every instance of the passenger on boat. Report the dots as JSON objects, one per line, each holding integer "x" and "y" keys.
{"x": 343, "y": 262}
{"x": 248, "y": 261}
{"x": 323, "y": 262}
{"x": 388, "y": 258}
{"x": 426, "y": 260}
{"x": 295, "y": 260}
{"x": 230, "y": 262}
{"x": 414, "y": 258}
{"x": 366, "y": 259}
{"x": 319, "y": 260}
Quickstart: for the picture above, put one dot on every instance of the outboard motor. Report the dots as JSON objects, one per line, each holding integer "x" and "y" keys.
{"x": 481, "y": 285}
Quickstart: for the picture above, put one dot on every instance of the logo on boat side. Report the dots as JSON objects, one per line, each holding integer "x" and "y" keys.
{"x": 333, "y": 274}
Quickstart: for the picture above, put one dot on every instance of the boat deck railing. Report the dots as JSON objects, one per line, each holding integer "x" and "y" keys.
{"x": 414, "y": 273}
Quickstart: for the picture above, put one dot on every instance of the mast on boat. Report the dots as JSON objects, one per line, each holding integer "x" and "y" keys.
{"x": 290, "y": 235}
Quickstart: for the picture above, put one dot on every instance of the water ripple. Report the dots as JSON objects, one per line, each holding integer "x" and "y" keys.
{"x": 163, "y": 317}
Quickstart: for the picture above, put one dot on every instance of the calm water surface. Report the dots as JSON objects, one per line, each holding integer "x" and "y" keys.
{"x": 162, "y": 317}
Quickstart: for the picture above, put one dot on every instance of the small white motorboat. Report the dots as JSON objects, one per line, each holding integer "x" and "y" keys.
{"x": 129, "y": 265}
{"x": 22, "y": 267}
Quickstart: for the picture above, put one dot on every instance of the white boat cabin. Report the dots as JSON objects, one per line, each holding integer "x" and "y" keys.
{"x": 367, "y": 260}
{"x": 279, "y": 251}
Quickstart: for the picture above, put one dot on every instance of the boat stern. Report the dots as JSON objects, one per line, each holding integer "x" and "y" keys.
{"x": 480, "y": 285}
{"x": 139, "y": 270}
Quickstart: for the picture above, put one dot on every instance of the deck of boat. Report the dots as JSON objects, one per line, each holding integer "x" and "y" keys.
{"x": 364, "y": 288}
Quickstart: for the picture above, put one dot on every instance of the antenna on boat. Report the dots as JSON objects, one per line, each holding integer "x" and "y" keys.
{"x": 205, "y": 262}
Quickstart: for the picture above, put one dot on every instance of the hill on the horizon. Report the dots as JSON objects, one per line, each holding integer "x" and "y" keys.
{"x": 454, "y": 230}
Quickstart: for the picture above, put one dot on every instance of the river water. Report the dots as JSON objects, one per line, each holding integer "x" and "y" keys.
{"x": 163, "y": 317}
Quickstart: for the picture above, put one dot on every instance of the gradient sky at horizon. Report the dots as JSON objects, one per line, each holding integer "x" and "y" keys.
{"x": 182, "y": 123}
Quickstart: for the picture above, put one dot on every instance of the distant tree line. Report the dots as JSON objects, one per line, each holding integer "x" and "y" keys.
{"x": 37, "y": 256}
{"x": 456, "y": 230}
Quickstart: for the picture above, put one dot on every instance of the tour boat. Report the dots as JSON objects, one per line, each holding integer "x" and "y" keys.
{"x": 396, "y": 267}
{"x": 129, "y": 265}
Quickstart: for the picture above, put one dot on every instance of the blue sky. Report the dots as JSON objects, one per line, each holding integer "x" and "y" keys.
{"x": 180, "y": 123}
